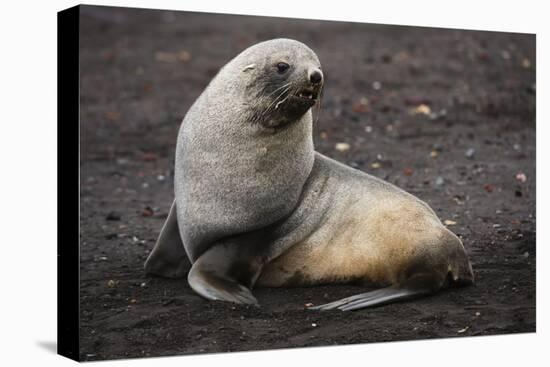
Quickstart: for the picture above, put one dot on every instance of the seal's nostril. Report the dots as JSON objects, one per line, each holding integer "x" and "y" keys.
{"x": 315, "y": 77}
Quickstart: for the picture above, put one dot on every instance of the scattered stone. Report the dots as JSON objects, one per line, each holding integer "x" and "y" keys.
{"x": 525, "y": 255}
{"x": 438, "y": 115}
{"x": 184, "y": 56}
{"x": 505, "y": 55}
{"x": 439, "y": 181}
{"x": 376, "y": 85}
{"x": 147, "y": 212}
{"x": 422, "y": 109}
{"x": 463, "y": 330}
{"x": 314, "y": 324}
{"x": 470, "y": 152}
{"x": 143, "y": 284}
{"x": 103, "y": 258}
{"x": 375, "y": 165}
{"x": 113, "y": 216}
{"x": 434, "y": 153}
{"x": 368, "y": 129}
{"x": 478, "y": 314}
{"x": 361, "y": 106}
{"x": 521, "y": 177}
{"x": 161, "y": 177}
{"x": 111, "y": 283}
{"x": 323, "y": 135}
{"x": 449, "y": 222}
{"x": 145, "y": 185}
{"x": 342, "y": 147}
{"x": 162, "y": 56}
{"x": 489, "y": 187}
{"x": 526, "y": 63}
{"x": 458, "y": 200}
{"x": 408, "y": 171}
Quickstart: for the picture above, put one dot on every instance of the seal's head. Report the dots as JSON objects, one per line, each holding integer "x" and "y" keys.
{"x": 283, "y": 81}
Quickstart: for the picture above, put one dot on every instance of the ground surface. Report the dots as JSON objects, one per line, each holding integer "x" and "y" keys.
{"x": 472, "y": 133}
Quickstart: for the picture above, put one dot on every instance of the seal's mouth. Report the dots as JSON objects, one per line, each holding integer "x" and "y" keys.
{"x": 306, "y": 96}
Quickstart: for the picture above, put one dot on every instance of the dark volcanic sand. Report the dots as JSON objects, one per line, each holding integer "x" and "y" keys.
{"x": 136, "y": 86}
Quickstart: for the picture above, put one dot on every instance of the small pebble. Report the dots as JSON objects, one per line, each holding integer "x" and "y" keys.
{"x": 147, "y": 212}
{"x": 463, "y": 330}
{"x": 449, "y": 222}
{"x": 376, "y": 85}
{"x": 489, "y": 187}
{"x": 368, "y": 129}
{"x": 342, "y": 147}
{"x": 521, "y": 177}
{"x": 113, "y": 216}
{"x": 470, "y": 153}
{"x": 422, "y": 109}
{"x": 184, "y": 56}
{"x": 525, "y": 255}
{"x": 408, "y": 171}
{"x": 439, "y": 181}
{"x": 314, "y": 324}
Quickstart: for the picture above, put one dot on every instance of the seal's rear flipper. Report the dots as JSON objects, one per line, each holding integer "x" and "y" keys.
{"x": 168, "y": 258}
{"x": 374, "y": 298}
{"x": 417, "y": 285}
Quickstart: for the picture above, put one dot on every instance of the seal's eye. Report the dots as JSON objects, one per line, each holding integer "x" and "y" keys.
{"x": 282, "y": 67}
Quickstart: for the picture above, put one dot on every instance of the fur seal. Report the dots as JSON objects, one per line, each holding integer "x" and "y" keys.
{"x": 256, "y": 205}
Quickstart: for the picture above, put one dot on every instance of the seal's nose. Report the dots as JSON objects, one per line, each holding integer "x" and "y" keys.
{"x": 316, "y": 76}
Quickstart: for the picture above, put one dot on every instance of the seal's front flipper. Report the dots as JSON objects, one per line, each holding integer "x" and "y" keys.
{"x": 168, "y": 258}
{"x": 225, "y": 273}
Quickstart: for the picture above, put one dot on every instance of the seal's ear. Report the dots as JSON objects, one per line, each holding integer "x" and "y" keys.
{"x": 249, "y": 67}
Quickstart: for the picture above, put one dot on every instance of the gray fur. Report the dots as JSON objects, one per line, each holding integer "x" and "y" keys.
{"x": 248, "y": 184}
